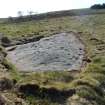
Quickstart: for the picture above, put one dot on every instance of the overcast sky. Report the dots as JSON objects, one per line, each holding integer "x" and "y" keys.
{"x": 11, "y": 7}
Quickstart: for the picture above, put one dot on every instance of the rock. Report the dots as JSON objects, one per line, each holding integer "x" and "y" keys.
{"x": 62, "y": 51}
{"x": 76, "y": 100}
{"x": 2, "y": 101}
{"x": 19, "y": 101}
{"x": 11, "y": 48}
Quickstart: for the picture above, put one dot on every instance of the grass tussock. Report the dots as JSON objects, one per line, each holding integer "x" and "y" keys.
{"x": 11, "y": 69}
{"x": 48, "y": 79}
{"x": 90, "y": 83}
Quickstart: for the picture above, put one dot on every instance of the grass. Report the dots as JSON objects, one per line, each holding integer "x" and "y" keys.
{"x": 11, "y": 69}
{"x": 90, "y": 82}
{"x": 31, "y": 100}
{"x": 49, "y": 79}
{"x": 53, "y": 75}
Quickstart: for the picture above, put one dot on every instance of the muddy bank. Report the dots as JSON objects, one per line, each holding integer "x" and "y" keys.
{"x": 53, "y": 94}
{"x": 62, "y": 51}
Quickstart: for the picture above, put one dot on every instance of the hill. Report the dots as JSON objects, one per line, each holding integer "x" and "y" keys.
{"x": 57, "y": 87}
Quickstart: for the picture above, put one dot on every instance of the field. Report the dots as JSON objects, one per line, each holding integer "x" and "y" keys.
{"x": 85, "y": 87}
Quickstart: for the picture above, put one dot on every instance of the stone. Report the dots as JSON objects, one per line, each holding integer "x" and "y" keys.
{"x": 63, "y": 51}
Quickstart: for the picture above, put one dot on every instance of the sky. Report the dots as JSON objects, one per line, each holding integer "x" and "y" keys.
{"x": 11, "y": 7}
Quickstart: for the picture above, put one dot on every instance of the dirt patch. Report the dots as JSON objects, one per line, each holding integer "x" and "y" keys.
{"x": 63, "y": 51}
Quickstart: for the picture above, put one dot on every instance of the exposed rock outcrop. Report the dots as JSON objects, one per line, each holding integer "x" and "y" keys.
{"x": 62, "y": 51}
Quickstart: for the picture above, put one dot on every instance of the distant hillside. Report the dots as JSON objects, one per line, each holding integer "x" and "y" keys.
{"x": 55, "y": 14}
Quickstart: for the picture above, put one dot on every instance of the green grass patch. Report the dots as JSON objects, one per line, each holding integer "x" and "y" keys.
{"x": 55, "y": 79}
